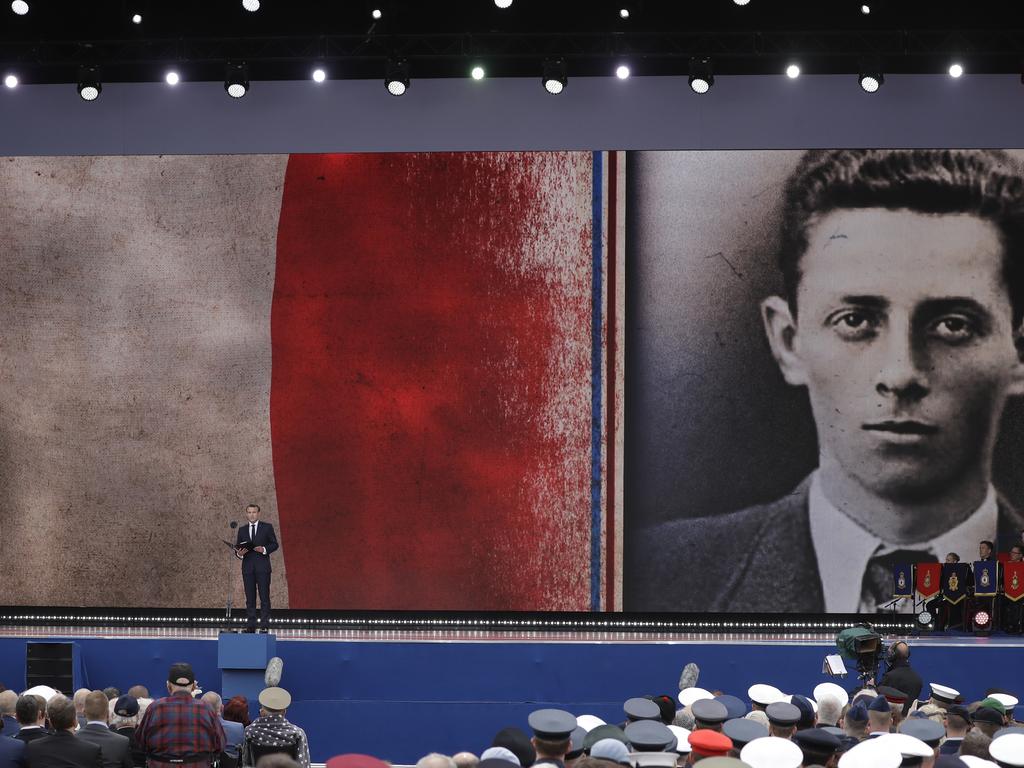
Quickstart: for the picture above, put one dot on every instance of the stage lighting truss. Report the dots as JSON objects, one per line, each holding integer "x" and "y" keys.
{"x": 396, "y": 76}
{"x": 89, "y": 85}
{"x": 701, "y": 75}
{"x": 236, "y": 79}
{"x": 555, "y": 78}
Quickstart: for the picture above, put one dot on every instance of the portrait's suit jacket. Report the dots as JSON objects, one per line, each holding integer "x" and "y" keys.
{"x": 254, "y": 562}
{"x": 63, "y": 750}
{"x": 115, "y": 748}
{"x": 757, "y": 559}
{"x": 12, "y": 753}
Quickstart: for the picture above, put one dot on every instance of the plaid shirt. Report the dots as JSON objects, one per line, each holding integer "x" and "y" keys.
{"x": 181, "y": 727}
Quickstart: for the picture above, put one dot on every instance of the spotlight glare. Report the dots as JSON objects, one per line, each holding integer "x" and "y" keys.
{"x": 741, "y": 2}
{"x": 478, "y": 73}
{"x": 11, "y": 81}
{"x": 701, "y": 76}
{"x": 865, "y": 9}
{"x": 20, "y": 7}
{"x": 172, "y": 78}
{"x": 137, "y": 18}
{"x": 396, "y": 76}
{"x": 792, "y": 71}
{"x": 89, "y": 92}
{"x": 624, "y": 13}
{"x": 503, "y": 3}
{"x": 870, "y": 82}
{"x": 376, "y": 13}
{"x": 554, "y": 77}
{"x": 89, "y": 86}
{"x": 319, "y": 75}
{"x": 622, "y": 72}
{"x": 236, "y": 80}
{"x": 955, "y": 70}
{"x": 251, "y": 5}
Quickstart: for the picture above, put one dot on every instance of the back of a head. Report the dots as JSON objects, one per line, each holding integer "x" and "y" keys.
{"x": 829, "y": 708}
{"x": 62, "y": 713}
{"x": 79, "y": 699}
{"x": 213, "y": 700}
{"x": 975, "y": 744}
{"x": 277, "y": 760}
{"x": 465, "y": 759}
{"x": 435, "y": 760}
{"x": 8, "y": 702}
{"x": 986, "y": 183}
{"x": 237, "y": 710}
{"x": 97, "y": 706}
{"x": 139, "y": 692}
{"x": 27, "y": 710}
{"x": 111, "y": 692}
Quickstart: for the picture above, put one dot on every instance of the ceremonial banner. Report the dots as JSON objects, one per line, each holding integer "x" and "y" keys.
{"x": 903, "y": 580}
{"x": 955, "y": 578}
{"x": 985, "y": 578}
{"x": 1013, "y": 581}
{"x": 928, "y": 579}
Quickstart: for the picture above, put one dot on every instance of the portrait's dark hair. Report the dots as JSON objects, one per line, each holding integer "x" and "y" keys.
{"x": 985, "y": 182}
{"x": 27, "y": 709}
{"x": 954, "y": 555}
{"x": 253, "y": 506}
{"x": 987, "y": 543}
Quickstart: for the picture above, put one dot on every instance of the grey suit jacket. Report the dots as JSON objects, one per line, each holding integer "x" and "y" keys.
{"x": 116, "y": 749}
{"x": 759, "y": 559}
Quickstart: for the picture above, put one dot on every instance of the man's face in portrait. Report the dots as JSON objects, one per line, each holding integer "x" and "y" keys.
{"x": 984, "y": 550}
{"x": 903, "y": 337}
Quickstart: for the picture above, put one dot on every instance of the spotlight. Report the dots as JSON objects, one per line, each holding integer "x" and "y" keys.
{"x": 319, "y": 75}
{"x": 251, "y": 5}
{"x": 554, "y": 78}
{"x": 20, "y": 7}
{"x": 924, "y": 618}
{"x": 11, "y": 81}
{"x": 376, "y": 13}
{"x": 955, "y": 70}
{"x": 172, "y": 78}
{"x": 741, "y": 2}
{"x": 871, "y": 81}
{"x": 477, "y": 73}
{"x": 701, "y": 77}
{"x": 503, "y": 3}
{"x": 865, "y": 9}
{"x": 137, "y": 18}
{"x": 622, "y": 71}
{"x": 396, "y": 76}
{"x": 982, "y": 623}
{"x": 89, "y": 85}
{"x": 236, "y": 80}
{"x": 624, "y": 13}
{"x": 793, "y": 71}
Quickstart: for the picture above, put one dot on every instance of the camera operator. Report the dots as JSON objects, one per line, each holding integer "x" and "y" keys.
{"x": 900, "y": 675}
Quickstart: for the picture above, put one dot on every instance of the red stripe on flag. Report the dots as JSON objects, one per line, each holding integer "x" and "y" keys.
{"x": 422, "y": 354}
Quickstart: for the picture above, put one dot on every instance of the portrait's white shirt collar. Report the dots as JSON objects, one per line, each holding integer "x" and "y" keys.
{"x": 843, "y": 548}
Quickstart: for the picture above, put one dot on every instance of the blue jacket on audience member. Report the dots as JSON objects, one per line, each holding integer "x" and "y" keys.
{"x": 12, "y": 753}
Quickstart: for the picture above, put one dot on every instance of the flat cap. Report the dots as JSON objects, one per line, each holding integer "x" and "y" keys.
{"x": 944, "y": 693}
{"x": 928, "y": 731}
{"x": 610, "y": 749}
{"x": 649, "y": 736}
{"x": 551, "y": 724}
{"x": 763, "y": 694}
{"x": 772, "y": 752}
{"x": 275, "y": 698}
{"x": 743, "y": 731}
{"x": 708, "y": 743}
{"x": 709, "y": 711}
{"x": 782, "y": 713}
{"x": 607, "y": 731}
{"x": 831, "y": 689}
{"x": 817, "y": 739}
{"x": 879, "y": 704}
{"x": 689, "y": 695}
{"x": 1008, "y": 749}
{"x": 733, "y": 705}
{"x": 639, "y": 708}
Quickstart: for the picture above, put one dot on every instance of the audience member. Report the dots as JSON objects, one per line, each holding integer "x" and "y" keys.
{"x": 234, "y": 733}
{"x": 271, "y": 731}
{"x": 975, "y": 744}
{"x": 957, "y": 723}
{"x": 276, "y": 760}
{"x": 125, "y": 720}
{"x": 111, "y": 693}
{"x": 63, "y": 749}
{"x": 435, "y": 760}
{"x": 8, "y": 705}
{"x": 12, "y": 753}
{"x": 115, "y": 748}
{"x": 237, "y": 710}
{"x": 79, "y": 700}
{"x": 179, "y": 726}
{"x": 138, "y": 692}
{"x": 31, "y": 717}
{"x": 465, "y": 760}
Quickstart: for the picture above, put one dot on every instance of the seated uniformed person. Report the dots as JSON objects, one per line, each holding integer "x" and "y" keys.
{"x": 819, "y": 747}
{"x": 782, "y": 719}
{"x": 879, "y": 717}
{"x": 975, "y": 744}
{"x": 516, "y": 741}
{"x": 272, "y": 733}
{"x": 743, "y": 731}
{"x": 957, "y": 723}
{"x": 772, "y": 752}
{"x": 855, "y": 721}
{"x": 987, "y": 720}
{"x": 705, "y": 743}
{"x": 709, "y": 714}
{"x": 552, "y": 729}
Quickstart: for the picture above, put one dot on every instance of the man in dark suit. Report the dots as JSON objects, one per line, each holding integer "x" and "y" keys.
{"x": 254, "y": 545}
{"x": 31, "y": 716}
{"x": 904, "y": 266}
{"x": 12, "y": 753}
{"x": 115, "y": 748}
{"x": 8, "y": 701}
{"x": 63, "y": 749}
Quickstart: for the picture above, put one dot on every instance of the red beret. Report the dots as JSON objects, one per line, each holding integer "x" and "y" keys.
{"x": 356, "y": 761}
{"x": 708, "y": 743}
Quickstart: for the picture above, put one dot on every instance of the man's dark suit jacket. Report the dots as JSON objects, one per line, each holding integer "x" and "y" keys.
{"x": 12, "y": 753}
{"x": 11, "y": 726}
{"x": 254, "y": 562}
{"x": 31, "y": 734}
{"x": 63, "y": 750}
{"x": 758, "y": 559}
{"x": 116, "y": 749}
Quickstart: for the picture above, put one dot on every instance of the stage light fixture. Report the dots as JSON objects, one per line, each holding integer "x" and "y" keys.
{"x": 89, "y": 85}
{"x": 503, "y": 3}
{"x": 396, "y": 77}
{"x": 136, "y": 18}
{"x": 793, "y": 71}
{"x": 20, "y": 7}
{"x": 319, "y": 75}
{"x": 982, "y": 622}
{"x": 701, "y": 76}
{"x": 11, "y": 81}
{"x": 870, "y": 82}
{"x": 865, "y": 9}
{"x": 236, "y": 80}
{"x": 956, "y": 69}
{"x": 622, "y": 72}
{"x": 624, "y": 13}
{"x": 477, "y": 73}
{"x": 554, "y": 78}
{"x": 251, "y": 5}
{"x": 172, "y": 78}
{"x": 741, "y": 2}
{"x": 376, "y": 14}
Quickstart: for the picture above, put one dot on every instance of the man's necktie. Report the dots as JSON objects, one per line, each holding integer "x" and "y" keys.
{"x": 876, "y": 587}
{"x": 252, "y": 531}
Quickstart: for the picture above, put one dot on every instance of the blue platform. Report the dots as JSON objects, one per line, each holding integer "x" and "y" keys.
{"x": 400, "y": 699}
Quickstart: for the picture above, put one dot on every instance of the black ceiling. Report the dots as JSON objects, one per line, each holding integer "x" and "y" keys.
{"x": 445, "y": 38}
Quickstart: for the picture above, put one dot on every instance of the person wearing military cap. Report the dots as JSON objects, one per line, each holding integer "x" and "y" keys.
{"x": 855, "y": 722}
{"x": 926, "y": 730}
{"x": 817, "y": 745}
{"x": 607, "y": 731}
{"x": 649, "y": 736}
{"x": 782, "y": 719}
{"x": 993, "y": 703}
{"x": 808, "y": 716}
{"x": 743, "y": 731}
{"x": 552, "y": 730}
{"x": 957, "y": 722}
{"x": 987, "y": 720}
{"x": 272, "y": 733}
{"x": 516, "y": 741}
{"x": 734, "y": 705}
{"x": 612, "y": 750}
{"x": 667, "y": 705}
{"x": 498, "y": 753}
{"x": 761, "y": 695}
{"x": 682, "y": 735}
{"x": 772, "y": 752}
{"x": 639, "y": 708}
{"x": 943, "y": 696}
{"x": 576, "y": 739}
{"x": 707, "y": 743}
{"x": 871, "y": 753}
{"x": 723, "y": 762}
{"x": 913, "y": 751}
{"x": 879, "y": 717}
{"x": 709, "y": 714}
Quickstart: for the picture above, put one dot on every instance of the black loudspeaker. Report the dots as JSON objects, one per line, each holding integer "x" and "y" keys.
{"x": 50, "y": 664}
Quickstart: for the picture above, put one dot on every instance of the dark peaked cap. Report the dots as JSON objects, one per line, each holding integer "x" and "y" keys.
{"x": 783, "y": 713}
{"x": 553, "y": 724}
{"x": 639, "y": 708}
{"x": 518, "y": 743}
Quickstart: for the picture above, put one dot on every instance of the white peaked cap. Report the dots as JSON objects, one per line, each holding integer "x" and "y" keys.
{"x": 689, "y": 695}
